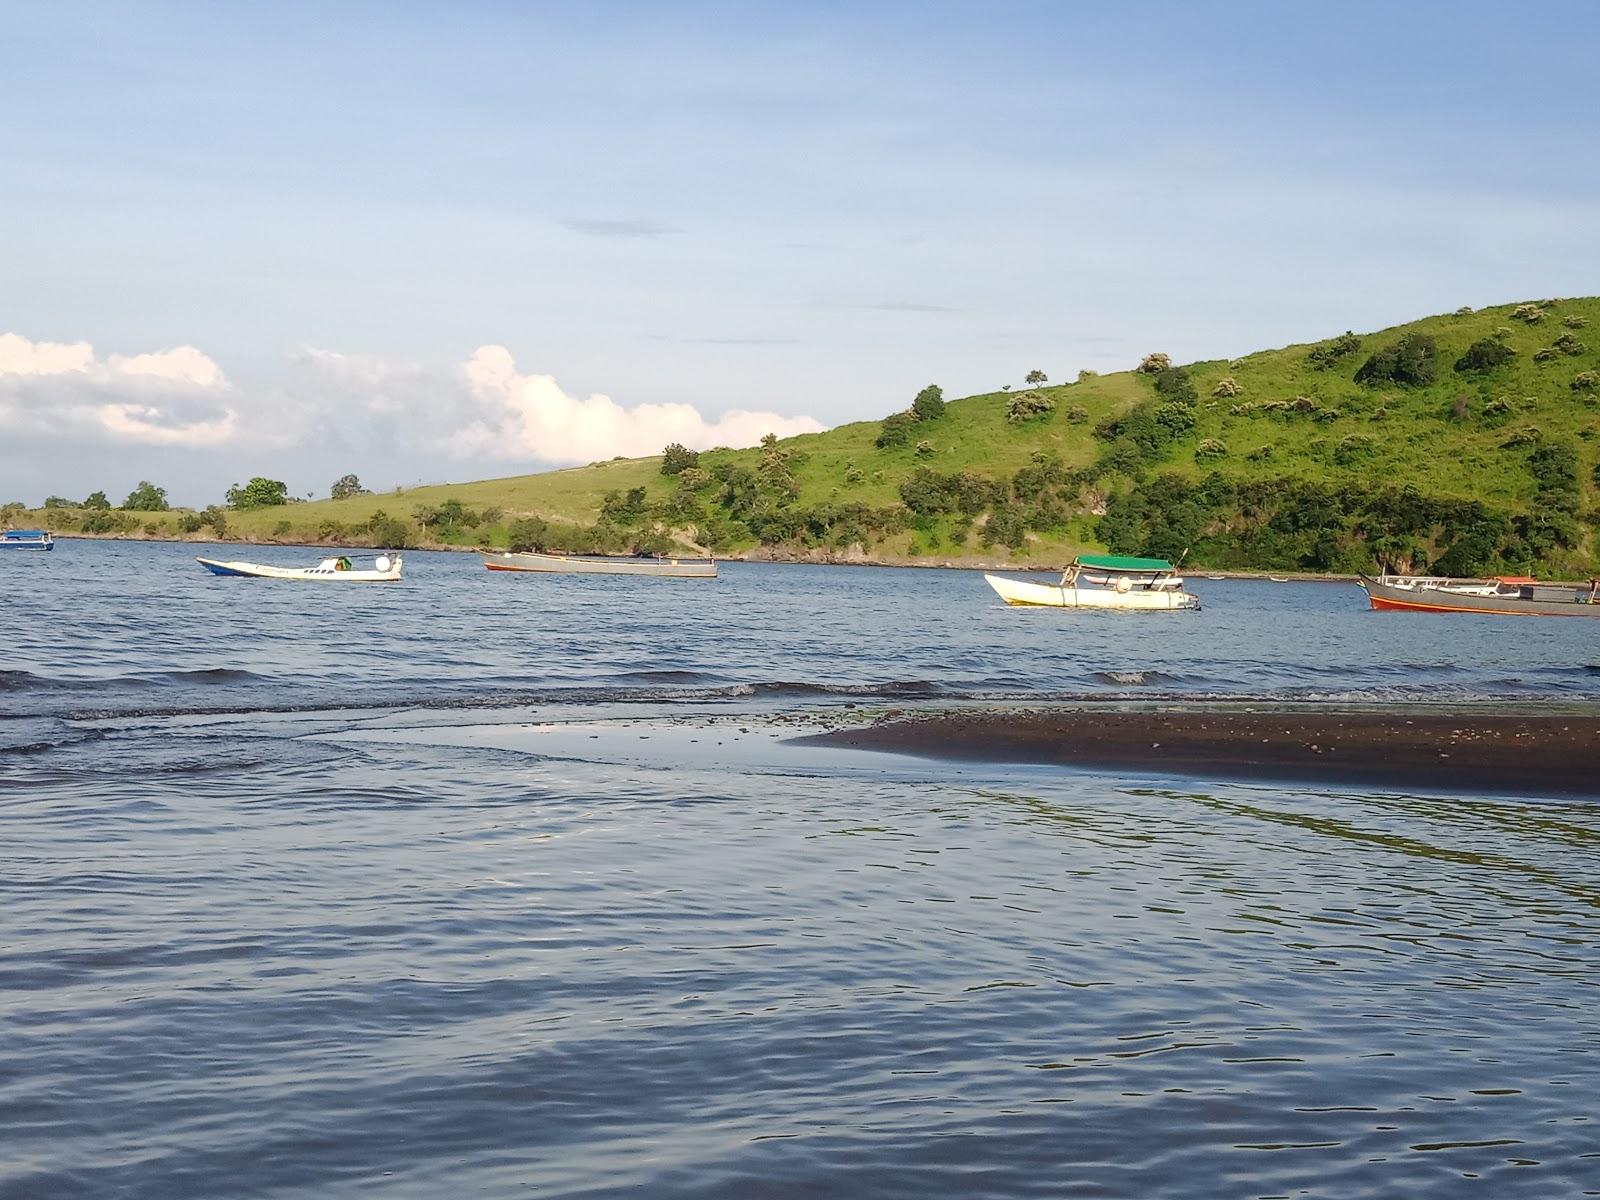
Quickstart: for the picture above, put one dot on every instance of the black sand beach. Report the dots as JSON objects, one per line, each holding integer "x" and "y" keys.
{"x": 1556, "y": 754}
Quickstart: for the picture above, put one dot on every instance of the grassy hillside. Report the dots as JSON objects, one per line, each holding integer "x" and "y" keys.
{"x": 1296, "y": 457}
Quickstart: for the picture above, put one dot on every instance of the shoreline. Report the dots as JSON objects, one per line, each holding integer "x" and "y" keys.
{"x": 816, "y": 558}
{"x": 1457, "y": 749}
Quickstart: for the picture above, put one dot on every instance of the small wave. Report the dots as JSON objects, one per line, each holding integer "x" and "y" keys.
{"x": 668, "y": 676}
{"x": 1140, "y": 678}
{"x": 205, "y": 676}
{"x": 898, "y": 688}
{"x": 21, "y": 681}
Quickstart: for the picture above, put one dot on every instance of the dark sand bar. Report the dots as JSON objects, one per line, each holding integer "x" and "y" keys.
{"x": 1485, "y": 751}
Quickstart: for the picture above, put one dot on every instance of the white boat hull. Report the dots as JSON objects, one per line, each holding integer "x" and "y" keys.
{"x": 304, "y": 574}
{"x": 1021, "y": 591}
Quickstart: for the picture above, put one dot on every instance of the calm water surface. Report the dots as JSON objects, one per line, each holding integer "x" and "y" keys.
{"x": 485, "y": 885}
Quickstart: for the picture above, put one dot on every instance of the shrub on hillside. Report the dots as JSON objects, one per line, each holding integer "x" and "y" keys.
{"x": 190, "y": 522}
{"x": 677, "y": 458}
{"x": 1464, "y": 311}
{"x": 1227, "y": 387}
{"x": 1210, "y": 448}
{"x": 1548, "y": 354}
{"x": 1411, "y": 362}
{"x": 216, "y": 517}
{"x": 1461, "y": 407}
{"x": 1326, "y": 355}
{"x": 1026, "y": 406}
{"x": 1497, "y": 412}
{"x": 529, "y": 533}
{"x": 1485, "y": 354}
{"x": 895, "y": 430}
{"x": 929, "y": 403}
{"x": 1085, "y": 375}
{"x": 924, "y": 449}
{"x": 389, "y": 532}
{"x": 1153, "y": 363}
{"x": 1528, "y": 435}
{"x": 1531, "y": 313}
{"x": 1175, "y": 384}
{"x": 1574, "y": 321}
{"x": 1076, "y": 415}
{"x": 1352, "y": 448}
{"x": 1175, "y": 417}
{"x": 1568, "y": 345}
{"x": 1586, "y": 381}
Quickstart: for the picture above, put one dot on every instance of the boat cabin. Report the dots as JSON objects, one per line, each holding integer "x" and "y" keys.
{"x": 1121, "y": 573}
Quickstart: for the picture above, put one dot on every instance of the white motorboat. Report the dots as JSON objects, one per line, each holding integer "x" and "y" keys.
{"x": 1103, "y": 581}
{"x": 338, "y": 569}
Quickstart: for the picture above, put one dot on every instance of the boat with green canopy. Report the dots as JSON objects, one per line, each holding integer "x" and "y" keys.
{"x": 1103, "y": 581}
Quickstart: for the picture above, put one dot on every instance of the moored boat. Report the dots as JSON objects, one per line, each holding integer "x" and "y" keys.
{"x": 1103, "y": 581}
{"x": 337, "y": 569}
{"x": 578, "y": 564}
{"x": 1505, "y": 595}
{"x": 27, "y": 539}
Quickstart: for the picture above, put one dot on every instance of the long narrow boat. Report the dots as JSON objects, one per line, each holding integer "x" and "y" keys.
{"x": 27, "y": 539}
{"x": 1506, "y": 595}
{"x": 1104, "y": 581}
{"x": 338, "y": 569}
{"x": 577, "y": 564}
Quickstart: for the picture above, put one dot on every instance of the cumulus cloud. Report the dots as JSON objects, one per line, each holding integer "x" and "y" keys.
{"x": 530, "y": 415}
{"x": 176, "y": 397}
{"x": 362, "y": 405}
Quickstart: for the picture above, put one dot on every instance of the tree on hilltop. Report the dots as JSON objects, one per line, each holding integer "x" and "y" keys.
{"x": 147, "y": 497}
{"x": 260, "y": 492}
{"x": 929, "y": 404}
{"x": 677, "y": 458}
{"x": 1035, "y": 377}
{"x": 346, "y": 486}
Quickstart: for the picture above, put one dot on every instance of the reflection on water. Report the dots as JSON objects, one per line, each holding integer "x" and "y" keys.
{"x": 478, "y": 949}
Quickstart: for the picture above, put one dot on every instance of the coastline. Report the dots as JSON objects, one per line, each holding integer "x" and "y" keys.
{"x": 759, "y": 554}
{"x": 1449, "y": 749}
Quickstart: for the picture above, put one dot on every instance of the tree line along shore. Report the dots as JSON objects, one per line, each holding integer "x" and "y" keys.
{"x": 1460, "y": 444}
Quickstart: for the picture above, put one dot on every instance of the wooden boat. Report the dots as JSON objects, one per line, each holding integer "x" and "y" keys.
{"x": 1103, "y": 581}
{"x": 578, "y": 564}
{"x": 1504, "y": 595}
{"x": 337, "y": 569}
{"x": 27, "y": 539}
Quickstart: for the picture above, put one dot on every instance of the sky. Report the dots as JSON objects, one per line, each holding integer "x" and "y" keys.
{"x": 429, "y": 242}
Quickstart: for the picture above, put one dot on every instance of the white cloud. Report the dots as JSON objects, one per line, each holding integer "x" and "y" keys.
{"x": 366, "y": 406}
{"x": 19, "y": 356}
{"x": 531, "y": 416}
{"x": 176, "y": 397}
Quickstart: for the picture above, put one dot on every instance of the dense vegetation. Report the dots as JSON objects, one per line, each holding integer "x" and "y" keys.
{"x": 1463, "y": 443}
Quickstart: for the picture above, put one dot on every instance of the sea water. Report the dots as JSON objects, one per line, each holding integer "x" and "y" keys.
{"x": 515, "y": 885}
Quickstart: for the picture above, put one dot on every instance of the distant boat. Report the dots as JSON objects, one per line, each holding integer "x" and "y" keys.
{"x": 338, "y": 569}
{"x": 1103, "y": 581}
{"x": 1278, "y": 578}
{"x": 576, "y": 564}
{"x": 27, "y": 539}
{"x": 1505, "y": 595}
{"x": 1216, "y": 576}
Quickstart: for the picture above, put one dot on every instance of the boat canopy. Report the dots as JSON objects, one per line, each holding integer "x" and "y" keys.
{"x": 1118, "y": 562}
{"x": 18, "y": 534}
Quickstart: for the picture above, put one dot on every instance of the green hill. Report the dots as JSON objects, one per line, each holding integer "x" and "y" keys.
{"x": 1461, "y": 443}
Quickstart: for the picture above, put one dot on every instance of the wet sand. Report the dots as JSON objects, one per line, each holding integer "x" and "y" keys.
{"x": 1554, "y": 754}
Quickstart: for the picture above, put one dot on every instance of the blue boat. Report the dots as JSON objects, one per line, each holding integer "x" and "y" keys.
{"x": 26, "y": 539}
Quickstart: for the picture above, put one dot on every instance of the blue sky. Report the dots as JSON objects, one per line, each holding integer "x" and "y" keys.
{"x": 792, "y": 211}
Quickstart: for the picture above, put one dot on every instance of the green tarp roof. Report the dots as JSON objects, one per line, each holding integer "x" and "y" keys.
{"x": 1116, "y": 562}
